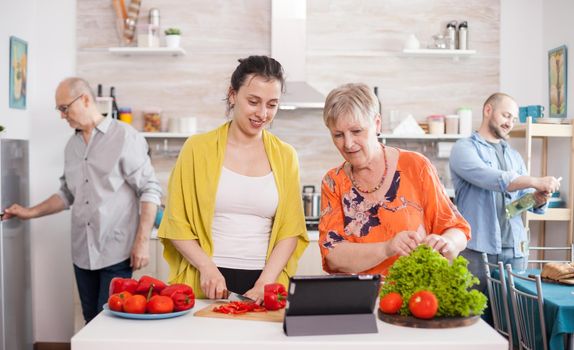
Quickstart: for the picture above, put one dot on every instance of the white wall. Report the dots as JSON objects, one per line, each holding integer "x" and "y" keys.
{"x": 15, "y": 121}
{"x": 557, "y": 31}
{"x": 528, "y": 30}
{"x": 521, "y": 54}
{"x": 49, "y": 29}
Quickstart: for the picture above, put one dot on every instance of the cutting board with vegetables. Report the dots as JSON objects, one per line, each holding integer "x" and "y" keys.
{"x": 266, "y": 316}
{"x": 437, "y": 322}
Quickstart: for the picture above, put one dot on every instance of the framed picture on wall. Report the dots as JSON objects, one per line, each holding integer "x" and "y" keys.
{"x": 18, "y": 72}
{"x": 557, "y": 81}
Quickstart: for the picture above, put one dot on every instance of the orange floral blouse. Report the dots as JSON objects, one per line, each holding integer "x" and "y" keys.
{"x": 415, "y": 197}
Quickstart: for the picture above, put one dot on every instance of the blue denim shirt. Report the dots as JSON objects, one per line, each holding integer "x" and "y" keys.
{"x": 477, "y": 178}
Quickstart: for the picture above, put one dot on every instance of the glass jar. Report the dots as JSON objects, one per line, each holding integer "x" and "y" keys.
{"x": 436, "y": 124}
{"x": 125, "y": 115}
{"x": 451, "y": 124}
{"x": 152, "y": 120}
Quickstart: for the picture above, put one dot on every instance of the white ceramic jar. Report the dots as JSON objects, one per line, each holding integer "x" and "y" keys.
{"x": 436, "y": 124}
{"x": 465, "y": 121}
{"x": 451, "y": 124}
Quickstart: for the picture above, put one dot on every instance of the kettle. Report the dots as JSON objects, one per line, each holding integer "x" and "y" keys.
{"x": 311, "y": 202}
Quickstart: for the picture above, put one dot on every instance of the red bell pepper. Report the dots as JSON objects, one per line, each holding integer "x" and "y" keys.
{"x": 177, "y": 288}
{"x": 182, "y": 301}
{"x": 181, "y": 294}
{"x": 275, "y": 296}
{"x": 118, "y": 285}
{"x": 145, "y": 282}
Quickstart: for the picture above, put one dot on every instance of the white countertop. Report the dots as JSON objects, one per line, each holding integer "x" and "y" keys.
{"x": 188, "y": 332}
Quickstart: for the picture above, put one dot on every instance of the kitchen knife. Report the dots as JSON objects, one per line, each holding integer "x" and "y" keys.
{"x": 239, "y": 297}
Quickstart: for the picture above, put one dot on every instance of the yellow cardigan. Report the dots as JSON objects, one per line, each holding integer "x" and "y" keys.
{"x": 191, "y": 202}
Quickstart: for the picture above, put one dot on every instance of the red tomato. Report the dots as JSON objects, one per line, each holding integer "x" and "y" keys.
{"x": 116, "y": 301}
{"x": 423, "y": 304}
{"x": 391, "y": 303}
{"x": 160, "y": 304}
{"x": 136, "y": 304}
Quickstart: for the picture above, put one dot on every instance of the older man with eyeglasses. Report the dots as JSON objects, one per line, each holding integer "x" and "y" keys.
{"x": 111, "y": 186}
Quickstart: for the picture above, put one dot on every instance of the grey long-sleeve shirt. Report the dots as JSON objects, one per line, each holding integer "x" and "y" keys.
{"x": 104, "y": 181}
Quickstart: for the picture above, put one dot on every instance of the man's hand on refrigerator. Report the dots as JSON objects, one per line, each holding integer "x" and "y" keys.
{"x": 16, "y": 210}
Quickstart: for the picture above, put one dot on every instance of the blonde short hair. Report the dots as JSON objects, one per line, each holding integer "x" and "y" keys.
{"x": 356, "y": 100}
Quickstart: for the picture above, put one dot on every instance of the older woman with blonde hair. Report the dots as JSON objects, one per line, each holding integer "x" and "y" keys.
{"x": 382, "y": 202}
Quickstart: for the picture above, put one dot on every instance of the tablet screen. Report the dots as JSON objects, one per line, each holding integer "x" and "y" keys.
{"x": 333, "y": 294}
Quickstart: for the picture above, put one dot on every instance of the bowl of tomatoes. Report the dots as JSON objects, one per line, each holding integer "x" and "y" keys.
{"x": 148, "y": 299}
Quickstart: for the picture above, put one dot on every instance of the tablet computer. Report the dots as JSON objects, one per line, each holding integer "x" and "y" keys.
{"x": 332, "y": 294}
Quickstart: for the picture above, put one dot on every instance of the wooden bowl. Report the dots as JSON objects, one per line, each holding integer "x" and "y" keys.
{"x": 437, "y": 322}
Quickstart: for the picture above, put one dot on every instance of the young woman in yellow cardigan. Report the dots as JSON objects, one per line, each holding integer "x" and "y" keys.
{"x": 234, "y": 219}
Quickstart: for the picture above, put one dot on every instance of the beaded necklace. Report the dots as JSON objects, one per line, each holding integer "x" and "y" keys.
{"x": 367, "y": 191}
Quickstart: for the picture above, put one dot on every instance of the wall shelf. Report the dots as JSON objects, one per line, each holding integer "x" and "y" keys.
{"x": 543, "y": 130}
{"x": 438, "y": 53}
{"x": 552, "y": 214}
{"x": 529, "y": 131}
{"x": 421, "y": 137}
{"x": 165, "y": 135}
{"x": 147, "y": 51}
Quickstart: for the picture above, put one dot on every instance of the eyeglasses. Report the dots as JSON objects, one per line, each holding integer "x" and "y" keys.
{"x": 64, "y": 108}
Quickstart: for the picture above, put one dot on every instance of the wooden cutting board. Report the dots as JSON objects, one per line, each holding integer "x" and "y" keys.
{"x": 267, "y": 316}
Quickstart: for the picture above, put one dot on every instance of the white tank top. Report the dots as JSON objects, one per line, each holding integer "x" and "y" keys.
{"x": 244, "y": 210}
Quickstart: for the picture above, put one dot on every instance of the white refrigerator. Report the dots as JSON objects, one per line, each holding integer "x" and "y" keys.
{"x": 15, "y": 283}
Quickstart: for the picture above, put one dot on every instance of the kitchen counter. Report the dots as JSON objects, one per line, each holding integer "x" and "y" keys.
{"x": 188, "y": 332}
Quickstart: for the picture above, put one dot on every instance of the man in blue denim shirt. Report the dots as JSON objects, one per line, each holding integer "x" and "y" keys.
{"x": 487, "y": 175}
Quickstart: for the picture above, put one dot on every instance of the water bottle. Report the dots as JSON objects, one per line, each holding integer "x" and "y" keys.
{"x": 463, "y": 36}
{"x": 520, "y": 205}
{"x": 451, "y": 35}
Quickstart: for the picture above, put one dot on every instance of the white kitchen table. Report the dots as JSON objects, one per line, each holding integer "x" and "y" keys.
{"x": 108, "y": 332}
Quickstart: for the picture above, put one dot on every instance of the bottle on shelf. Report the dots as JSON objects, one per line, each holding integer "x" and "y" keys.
{"x": 104, "y": 103}
{"x": 451, "y": 35}
{"x": 385, "y": 122}
{"x": 115, "y": 110}
{"x": 463, "y": 35}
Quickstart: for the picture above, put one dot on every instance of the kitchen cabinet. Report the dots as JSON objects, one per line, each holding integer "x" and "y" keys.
{"x": 430, "y": 137}
{"x": 310, "y": 261}
{"x": 430, "y": 149}
{"x": 529, "y": 132}
{"x": 165, "y": 135}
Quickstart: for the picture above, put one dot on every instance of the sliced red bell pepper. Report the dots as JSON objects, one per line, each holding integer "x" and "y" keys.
{"x": 145, "y": 282}
{"x": 238, "y": 307}
{"x": 274, "y": 296}
{"x": 118, "y": 285}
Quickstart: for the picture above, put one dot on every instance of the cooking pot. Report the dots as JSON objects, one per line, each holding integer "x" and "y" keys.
{"x": 311, "y": 202}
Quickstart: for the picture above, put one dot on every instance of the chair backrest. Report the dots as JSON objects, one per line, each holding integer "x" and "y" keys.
{"x": 498, "y": 297}
{"x": 568, "y": 257}
{"x": 528, "y": 312}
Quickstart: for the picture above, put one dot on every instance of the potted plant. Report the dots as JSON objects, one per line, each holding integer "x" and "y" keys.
{"x": 172, "y": 37}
